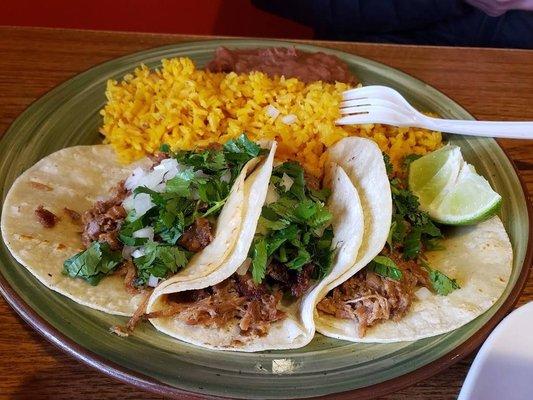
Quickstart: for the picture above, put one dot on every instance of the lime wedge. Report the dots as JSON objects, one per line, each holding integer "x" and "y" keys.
{"x": 433, "y": 174}
{"x": 471, "y": 200}
{"x": 450, "y": 190}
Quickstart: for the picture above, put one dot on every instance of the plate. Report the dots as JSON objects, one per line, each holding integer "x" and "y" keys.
{"x": 69, "y": 115}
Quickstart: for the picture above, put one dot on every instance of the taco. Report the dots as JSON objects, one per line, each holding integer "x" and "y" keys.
{"x": 425, "y": 279}
{"x": 164, "y": 216}
{"x": 306, "y": 236}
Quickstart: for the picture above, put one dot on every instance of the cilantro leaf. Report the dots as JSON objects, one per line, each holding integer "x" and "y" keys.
{"x": 259, "y": 260}
{"x": 319, "y": 195}
{"x": 301, "y": 258}
{"x": 164, "y": 148}
{"x": 159, "y": 260}
{"x": 411, "y": 228}
{"x": 180, "y": 184}
{"x": 128, "y": 227}
{"x": 275, "y": 225}
{"x": 208, "y": 161}
{"x": 241, "y": 149}
{"x": 320, "y": 218}
{"x": 296, "y": 225}
{"x": 296, "y": 173}
{"x": 284, "y": 207}
{"x": 412, "y": 244}
{"x": 388, "y": 164}
{"x": 92, "y": 264}
{"x": 275, "y": 240}
{"x": 385, "y": 267}
{"x": 322, "y": 253}
{"x": 305, "y": 209}
{"x": 440, "y": 282}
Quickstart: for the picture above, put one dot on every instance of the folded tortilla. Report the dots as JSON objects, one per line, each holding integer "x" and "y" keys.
{"x": 75, "y": 178}
{"x": 479, "y": 257}
{"x": 349, "y": 228}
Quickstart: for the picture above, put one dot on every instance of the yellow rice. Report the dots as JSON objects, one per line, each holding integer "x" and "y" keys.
{"x": 188, "y": 108}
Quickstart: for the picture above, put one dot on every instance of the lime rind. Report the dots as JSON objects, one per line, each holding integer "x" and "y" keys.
{"x": 423, "y": 170}
{"x": 443, "y": 181}
{"x": 450, "y": 190}
{"x": 469, "y": 201}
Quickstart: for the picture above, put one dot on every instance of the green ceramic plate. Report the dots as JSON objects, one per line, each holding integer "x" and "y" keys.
{"x": 68, "y": 115}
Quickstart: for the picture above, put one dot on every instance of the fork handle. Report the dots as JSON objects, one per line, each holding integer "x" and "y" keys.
{"x": 499, "y": 129}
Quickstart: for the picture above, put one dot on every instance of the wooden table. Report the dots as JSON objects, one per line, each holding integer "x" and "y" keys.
{"x": 491, "y": 84}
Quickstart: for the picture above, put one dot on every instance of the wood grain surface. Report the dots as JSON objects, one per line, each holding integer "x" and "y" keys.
{"x": 491, "y": 84}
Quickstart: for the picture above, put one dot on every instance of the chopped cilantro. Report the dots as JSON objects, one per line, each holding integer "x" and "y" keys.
{"x": 241, "y": 150}
{"x": 164, "y": 148}
{"x": 294, "y": 229}
{"x": 190, "y": 194}
{"x": 273, "y": 225}
{"x": 159, "y": 260}
{"x": 296, "y": 173}
{"x": 92, "y": 264}
{"x": 411, "y": 228}
{"x": 200, "y": 189}
{"x": 259, "y": 260}
{"x": 385, "y": 267}
{"x": 441, "y": 283}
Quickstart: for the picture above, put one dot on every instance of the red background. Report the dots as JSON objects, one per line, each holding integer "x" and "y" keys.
{"x": 201, "y": 17}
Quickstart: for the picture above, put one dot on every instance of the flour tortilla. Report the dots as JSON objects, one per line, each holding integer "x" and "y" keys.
{"x": 297, "y": 329}
{"x": 75, "y": 178}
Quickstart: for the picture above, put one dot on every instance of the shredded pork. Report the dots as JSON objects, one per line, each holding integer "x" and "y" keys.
{"x": 295, "y": 282}
{"x": 370, "y": 298}
{"x": 197, "y": 236}
{"x": 102, "y": 222}
{"x": 129, "y": 272}
{"x": 236, "y": 298}
{"x": 136, "y": 318}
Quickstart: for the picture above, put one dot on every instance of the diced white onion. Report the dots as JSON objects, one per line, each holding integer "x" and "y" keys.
{"x": 272, "y": 195}
{"x": 272, "y": 111}
{"x": 133, "y": 180}
{"x": 153, "y": 281}
{"x": 138, "y": 253}
{"x": 127, "y": 250}
{"x": 286, "y": 181}
{"x": 153, "y": 178}
{"x": 147, "y": 232}
{"x": 160, "y": 188}
{"x": 171, "y": 168}
{"x": 142, "y": 203}
{"x": 289, "y": 119}
{"x": 244, "y": 266}
{"x": 226, "y": 176}
{"x": 127, "y": 203}
{"x": 423, "y": 293}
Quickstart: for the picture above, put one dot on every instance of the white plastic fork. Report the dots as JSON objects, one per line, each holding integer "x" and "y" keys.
{"x": 383, "y": 105}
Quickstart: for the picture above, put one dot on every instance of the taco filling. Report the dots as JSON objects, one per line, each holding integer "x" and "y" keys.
{"x": 386, "y": 288}
{"x": 156, "y": 219}
{"x": 292, "y": 248}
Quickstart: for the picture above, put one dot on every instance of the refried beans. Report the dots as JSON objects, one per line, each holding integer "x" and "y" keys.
{"x": 281, "y": 61}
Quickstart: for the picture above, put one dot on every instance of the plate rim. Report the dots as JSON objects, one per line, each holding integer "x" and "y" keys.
{"x": 147, "y": 383}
